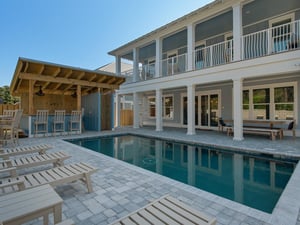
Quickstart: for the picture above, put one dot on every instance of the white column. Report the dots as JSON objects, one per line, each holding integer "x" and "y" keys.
{"x": 237, "y": 31}
{"x": 118, "y": 65}
{"x": 135, "y": 65}
{"x": 136, "y": 110}
{"x": 238, "y": 177}
{"x": 191, "y": 165}
{"x": 190, "y": 47}
{"x": 238, "y": 109}
{"x": 158, "y": 110}
{"x": 158, "y": 156}
{"x": 191, "y": 109}
{"x": 118, "y": 110}
{"x": 158, "y": 52}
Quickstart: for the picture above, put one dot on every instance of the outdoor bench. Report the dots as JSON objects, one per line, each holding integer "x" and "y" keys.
{"x": 259, "y": 130}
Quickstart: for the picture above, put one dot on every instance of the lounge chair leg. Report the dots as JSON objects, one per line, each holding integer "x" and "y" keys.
{"x": 88, "y": 182}
{"x": 46, "y": 219}
{"x": 57, "y": 213}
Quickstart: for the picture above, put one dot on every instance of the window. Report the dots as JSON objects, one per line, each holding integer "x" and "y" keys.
{"x": 199, "y": 56}
{"x": 151, "y": 107}
{"x": 172, "y": 64}
{"x": 261, "y": 103}
{"x": 246, "y": 104}
{"x": 281, "y": 32}
{"x": 284, "y": 103}
{"x": 272, "y": 102}
{"x": 167, "y": 107}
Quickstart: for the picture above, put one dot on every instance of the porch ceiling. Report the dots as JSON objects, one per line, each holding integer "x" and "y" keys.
{"x": 61, "y": 79}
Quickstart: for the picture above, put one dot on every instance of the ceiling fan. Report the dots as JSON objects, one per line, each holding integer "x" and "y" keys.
{"x": 74, "y": 95}
{"x": 40, "y": 92}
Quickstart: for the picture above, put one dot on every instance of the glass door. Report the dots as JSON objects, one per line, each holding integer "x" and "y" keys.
{"x": 209, "y": 109}
{"x": 185, "y": 116}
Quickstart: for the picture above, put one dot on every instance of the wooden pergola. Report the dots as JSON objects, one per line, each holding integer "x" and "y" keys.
{"x": 47, "y": 85}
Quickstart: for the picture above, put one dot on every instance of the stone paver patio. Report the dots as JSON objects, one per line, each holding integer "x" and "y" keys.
{"x": 120, "y": 188}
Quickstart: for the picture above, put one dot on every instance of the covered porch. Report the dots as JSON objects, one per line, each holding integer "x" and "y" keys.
{"x": 48, "y": 86}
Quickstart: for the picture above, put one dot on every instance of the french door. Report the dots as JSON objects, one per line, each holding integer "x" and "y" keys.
{"x": 207, "y": 109}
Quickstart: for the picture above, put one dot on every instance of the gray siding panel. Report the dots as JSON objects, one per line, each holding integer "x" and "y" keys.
{"x": 262, "y": 9}
{"x": 147, "y": 52}
{"x": 217, "y": 25}
{"x": 175, "y": 41}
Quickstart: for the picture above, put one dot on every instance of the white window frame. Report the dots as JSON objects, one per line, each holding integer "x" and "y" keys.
{"x": 272, "y": 102}
{"x": 163, "y": 107}
{"x": 149, "y": 107}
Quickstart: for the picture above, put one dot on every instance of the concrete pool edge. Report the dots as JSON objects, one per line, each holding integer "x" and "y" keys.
{"x": 287, "y": 208}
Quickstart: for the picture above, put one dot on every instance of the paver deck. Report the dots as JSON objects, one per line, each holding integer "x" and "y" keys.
{"x": 121, "y": 188}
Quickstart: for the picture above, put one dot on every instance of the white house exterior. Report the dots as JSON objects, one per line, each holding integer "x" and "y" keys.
{"x": 235, "y": 59}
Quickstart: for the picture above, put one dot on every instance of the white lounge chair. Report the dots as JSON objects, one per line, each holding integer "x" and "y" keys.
{"x": 55, "y": 176}
{"x": 7, "y": 152}
{"x": 166, "y": 210}
{"x": 24, "y": 206}
{"x": 11, "y": 165}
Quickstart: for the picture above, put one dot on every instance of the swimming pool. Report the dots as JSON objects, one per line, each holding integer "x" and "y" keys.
{"x": 253, "y": 180}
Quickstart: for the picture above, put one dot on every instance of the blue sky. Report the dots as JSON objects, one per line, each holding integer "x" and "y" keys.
{"x": 78, "y": 32}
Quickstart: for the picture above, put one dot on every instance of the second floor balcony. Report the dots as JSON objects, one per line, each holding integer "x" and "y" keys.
{"x": 275, "y": 40}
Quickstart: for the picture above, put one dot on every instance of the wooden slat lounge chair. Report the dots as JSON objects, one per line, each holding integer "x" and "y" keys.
{"x": 24, "y": 206}
{"x": 55, "y": 176}
{"x": 6, "y": 153}
{"x": 11, "y": 165}
{"x": 166, "y": 210}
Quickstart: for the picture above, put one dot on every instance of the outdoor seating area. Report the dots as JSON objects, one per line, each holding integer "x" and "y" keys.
{"x": 35, "y": 189}
{"x": 58, "y": 123}
{"x": 261, "y": 127}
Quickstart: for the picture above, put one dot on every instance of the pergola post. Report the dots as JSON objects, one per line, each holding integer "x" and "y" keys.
{"x": 30, "y": 97}
{"x": 78, "y": 97}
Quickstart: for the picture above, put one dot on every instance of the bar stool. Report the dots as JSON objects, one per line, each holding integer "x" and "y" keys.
{"x": 41, "y": 121}
{"x": 59, "y": 121}
{"x": 75, "y": 121}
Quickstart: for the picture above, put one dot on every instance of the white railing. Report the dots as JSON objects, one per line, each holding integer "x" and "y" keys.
{"x": 174, "y": 65}
{"x": 269, "y": 41}
{"x": 213, "y": 55}
{"x": 148, "y": 71}
{"x": 273, "y": 40}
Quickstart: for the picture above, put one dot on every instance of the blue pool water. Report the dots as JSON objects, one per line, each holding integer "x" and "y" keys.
{"x": 253, "y": 180}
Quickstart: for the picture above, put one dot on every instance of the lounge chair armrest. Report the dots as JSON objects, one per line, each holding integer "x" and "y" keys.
{"x": 19, "y": 183}
{"x": 11, "y": 170}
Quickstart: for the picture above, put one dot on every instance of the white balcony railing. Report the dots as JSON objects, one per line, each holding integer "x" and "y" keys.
{"x": 148, "y": 71}
{"x": 213, "y": 55}
{"x": 273, "y": 40}
{"x": 174, "y": 65}
{"x": 269, "y": 41}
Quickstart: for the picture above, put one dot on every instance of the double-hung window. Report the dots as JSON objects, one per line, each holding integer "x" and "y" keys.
{"x": 167, "y": 107}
